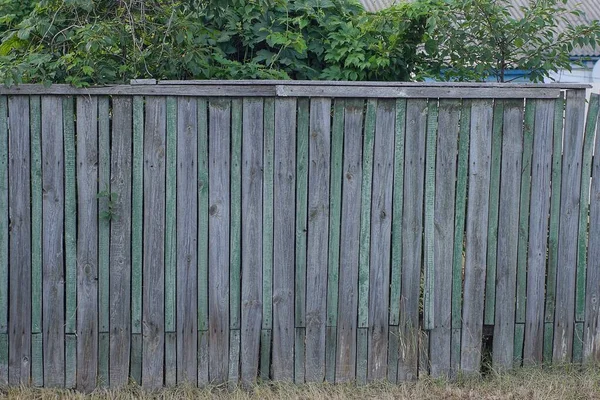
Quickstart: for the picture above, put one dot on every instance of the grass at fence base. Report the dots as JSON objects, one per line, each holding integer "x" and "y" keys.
{"x": 527, "y": 383}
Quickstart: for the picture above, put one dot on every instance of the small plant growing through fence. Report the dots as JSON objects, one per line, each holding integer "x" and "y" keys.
{"x": 110, "y": 213}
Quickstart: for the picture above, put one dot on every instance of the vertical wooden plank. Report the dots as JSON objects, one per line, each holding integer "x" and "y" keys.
{"x": 395, "y": 285}
{"x": 70, "y": 242}
{"x": 153, "y": 295}
{"x": 267, "y": 273}
{"x": 538, "y": 231}
{"x": 349, "y": 234}
{"x": 87, "y": 242}
{"x": 445, "y": 179}
{"x": 508, "y": 230}
{"x": 4, "y": 238}
{"x": 333, "y": 262}
{"x": 318, "y": 230}
{"x": 490, "y": 276}
{"x": 429, "y": 222}
{"x": 302, "y": 134}
{"x": 476, "y": 243}
{"x": 202, "y": 219}
{"x": 236, "y": 206}
{"x": 252, "y": 195}
{"x": 103, "y": 241}
{"x": 187, "y": 240}
{"x": 584, "y": 207}
{"x": 203, "y": 358}
{"x": 120, "y": 241}
{"x": 362, "y": 348}
{"x": 136, "y": 358}
{"x": 283, "y": 239}
{"x": 518, "y": 345}
{"x": 559, "y": 108}
{"x": 393, "y": 351}
{"x": 459, "y": 235}
{"x": 578, "y": 343}
{"x": 37, "y": 367}
{"x": 171, "y": 243}
{"x": 412, "y": 232}
{"x": 424, "y": 354}
{"x": 381, "y": 227}
{"x": 569, "y": 217}
{"x": 19, "y": 241}
{"x": 591, "y": 333}
{"x": 234, "y": 359}
{"x": 218, "y": 245}
{"x": 53, "y": 311}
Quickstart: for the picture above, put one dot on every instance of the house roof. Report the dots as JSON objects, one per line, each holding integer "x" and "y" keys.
{"x": 590, "y": 11}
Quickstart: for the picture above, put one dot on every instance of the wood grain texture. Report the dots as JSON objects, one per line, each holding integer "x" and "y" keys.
{"x": 70, "y": 221}
{"x": 4, "y": 240}
{"x": 538, "y": 231}
{"x": 170, "y": 224}
{"x": 53, "y": 311}
{"x": 203, "y": 378}
{"x": 412, "y": 232}
{"x": 506, "y": 247}
{"x": 236, "y": 215}
{"x": 252, "y": 195}
{"x": 218, "y": 246}
{"x": 170, "y": 362}
{"x": 564, "y": 315}
{"x": 35, "y": 112}
{"x": 381, "y": 225}
{"x": 318, "y": 232}
{"x": 19, "y": 245}
{"x": 137, "y": 220}
{"x": 349, "y": 234}
{"x": 445, "y": 179}
{"x": 120, "y": 241}
{"x": 476, "y": 237}
{"x": 87, "y": 243}
{"x": 187, "y": 241}
{"x": 153, "y": 300}
{"x": 268, "y": 177}
{"x": 202, "y": 220}
{"x": 284, "y": 240}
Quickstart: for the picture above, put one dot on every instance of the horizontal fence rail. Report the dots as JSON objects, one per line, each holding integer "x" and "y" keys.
{"x": 219, "y": 232}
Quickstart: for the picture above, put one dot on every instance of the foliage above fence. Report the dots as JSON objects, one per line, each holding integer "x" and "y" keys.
{"x": 186, "y": 233}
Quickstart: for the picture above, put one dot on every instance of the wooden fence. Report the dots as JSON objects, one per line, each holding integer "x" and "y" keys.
{"x": 303, "y": 231}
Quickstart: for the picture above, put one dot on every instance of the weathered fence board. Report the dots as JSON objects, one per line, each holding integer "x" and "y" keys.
{"x": 165, "y": 237}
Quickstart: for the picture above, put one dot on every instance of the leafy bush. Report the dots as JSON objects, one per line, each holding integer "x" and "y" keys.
{"x": 86, "y": 42}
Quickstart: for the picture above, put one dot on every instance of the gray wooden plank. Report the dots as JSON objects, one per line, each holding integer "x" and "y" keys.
{"x": 591, "y": 333}
{"x": 508, "y": 228}
{"x": 476, "y": 243}
{"x": 4, "y": 230}
{"x": 284, "y": 233}
{"x": 218, "y": 246}
{"x": 53, "y": 311}
{"x": 170, "y": 366}
{"x": 299, "y": 356}
{"x": 103, "y": 223}
{"x": 265, "y": 354}
{"x": 235, "y": 254}
{"x": 35, "y": 112}
{"x": 445, "y": 179}
{"x": 412, "y": 228}
{"x": 538, "y": 231}
{"x": 349, "y": 236}
{"x": 330, "y": 348}
{"x": 234, "y": 359}
{"x": 19, "y": 245}
{"x": 202, "y": 216}
{"x": 393, "y": 352}
{"x": 103, "y": 355}
{"x": 564, "y": 315}
{"x": 302, "y": 134}
{"x": 70, "y": 361}
{"x": 362, "y": 348}
{"x": 153, "y": 300}
{"x": 252, "y": 191}
{"x": 187, "y": 240}
{"x": 37, "y": 362}
{"x": 424, "y": 354}
{"x": 87, "y": 243}
{"x": 136, "y": 358}
{"x": 381, "y": 227}
{"x": 203, "y": 379}
{"x": 120, "y": 240}
{"x": 318, "y": 233}
{"x": 170, "y": 226}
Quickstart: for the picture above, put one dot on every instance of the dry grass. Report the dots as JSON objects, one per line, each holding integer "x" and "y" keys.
{"x": 558, "y": 383}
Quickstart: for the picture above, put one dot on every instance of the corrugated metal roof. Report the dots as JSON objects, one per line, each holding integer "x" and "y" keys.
{"x": 590, "y": 11}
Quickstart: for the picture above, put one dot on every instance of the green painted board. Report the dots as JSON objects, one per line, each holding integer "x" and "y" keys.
{"x": 335, "y": 208}
{"x": 136, "y": 358}
{"x": 393, "y": 349}
{"x": 518, "y": 345}
{"x": 137, "y": 209}
{"x": 235, "y": 254}
{"x": 584, "y": 207}
{"x": 490, "y": 277}
{"x": 528, "y": 128}
{"x": 103, "y": 224}
{"x": 37, "y": 362}
{"x": 202, "y": 216}
{"x": 171, "y": 218}
{"x": 398, "y": 198}
{"x": 459, "y": 222}
{"x": 330, "y": 346}
{"x": 70, "y": 361}
{"x": 547, "y": 351}
{"x": 103, "y": 351}
{"x": 429, "y": 223}
{"x": 455, "y": 353}
{"x": 4, "y": 359}
{"x": 301, "y": 212}
{"x": 299, "y": 356}
{"x": 362, "y": 343}
{"x": 265, "y": 354}
{"x": 365, "y": 220}
{"x": 578, "y": 343}
{"x": 4, "y": 220}
{"x": 70, "y": 219}
{"x": 268, "y": 168}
